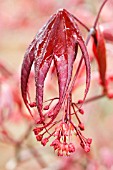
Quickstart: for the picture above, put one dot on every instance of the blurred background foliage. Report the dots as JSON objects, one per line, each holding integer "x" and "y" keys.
{"x": 19, "y": 23}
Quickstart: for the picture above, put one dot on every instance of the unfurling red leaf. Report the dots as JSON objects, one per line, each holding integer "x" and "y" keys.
{"x": 99, "y": 50}
{"x": 58, "y": 41}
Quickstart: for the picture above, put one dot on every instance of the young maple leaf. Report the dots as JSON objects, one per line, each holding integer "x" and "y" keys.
{"x": 99, "y": 50}
{"x": 58, "y": 41}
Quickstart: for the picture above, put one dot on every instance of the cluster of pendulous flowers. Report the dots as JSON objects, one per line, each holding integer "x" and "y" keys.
{"x": 56, "y": 45}
{"x": 57, "y": 42}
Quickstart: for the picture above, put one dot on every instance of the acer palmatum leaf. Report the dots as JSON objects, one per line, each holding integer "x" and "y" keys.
{"x": 58, "y": 41}
{"x": 28, "y": 61}
{"x": 99, "y": 50}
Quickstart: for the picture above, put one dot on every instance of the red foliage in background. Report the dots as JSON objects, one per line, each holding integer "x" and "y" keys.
{"x": 58, "y": 62}
{"x": 58, "y": 41}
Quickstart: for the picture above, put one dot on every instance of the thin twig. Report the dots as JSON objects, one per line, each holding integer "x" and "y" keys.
{"x": 37, "y": 156}
{"x": 94, "y": 98}
{"x": 98, "y": 15}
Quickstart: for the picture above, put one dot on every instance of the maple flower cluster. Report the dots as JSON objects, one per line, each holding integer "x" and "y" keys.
{"x": 57, "y": 42}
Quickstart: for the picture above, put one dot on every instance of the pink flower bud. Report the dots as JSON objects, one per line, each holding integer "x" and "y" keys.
{"x": 81, "y": 111}
{"x": 80, "y": 101}
{"x": 89, "y": 141}
{"x": 46, "y": 107}
{"x": 71, "y": 147}
{"x": 32, "y": 104}
{"x": 87, "y": 148}
{"x": 44, "y": 141}
{"x": 81, "y": 126}
{"x": 39, "y": 137}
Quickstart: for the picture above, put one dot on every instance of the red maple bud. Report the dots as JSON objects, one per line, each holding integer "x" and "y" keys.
{"x": 110, "y": 95}
{"x": 71, "y": 147}
{"x": 55, "y": 144}
{"x": 86, "y": 148}
{"x": 85, "y": 143}
{"x": 81, "y": 111}
{"x": 39, "y": 137}
{"x": 32, "y": 104}
{"x": 80, "y": 101}
{"x": 37, "y": 131}
{"x": 59, "y": 153}
{"x": 89, "y": 141}
{"x": 44, "y": 141}
{"x": 81, "y": 126}
{"x": 46, "y": 107}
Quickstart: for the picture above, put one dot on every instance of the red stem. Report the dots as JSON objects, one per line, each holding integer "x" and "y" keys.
{"x": 94, "y": 98}
{"x": 80, "y": 22}
{"x": 75, "y": 113}
{"x": 98, "y": 15}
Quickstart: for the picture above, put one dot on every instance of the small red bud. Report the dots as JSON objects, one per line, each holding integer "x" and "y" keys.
{"x": 81, "y": 126}
{"x": 39, "y": 137}
{"x": 87, "y": 148}
{"x": 60, "y": 154}
{"x": 81, "y": 111}
{"x": 71, "y": 147}
{"x": 32, "y": 104}
{"x": 89, "y": 141}
{"x": 46, "y": 107}
{"x": 110, "y": 96}
{"x": 37, "y": 131}
{"x": 44, "y": 141}
{"x": 80, "y": 101}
